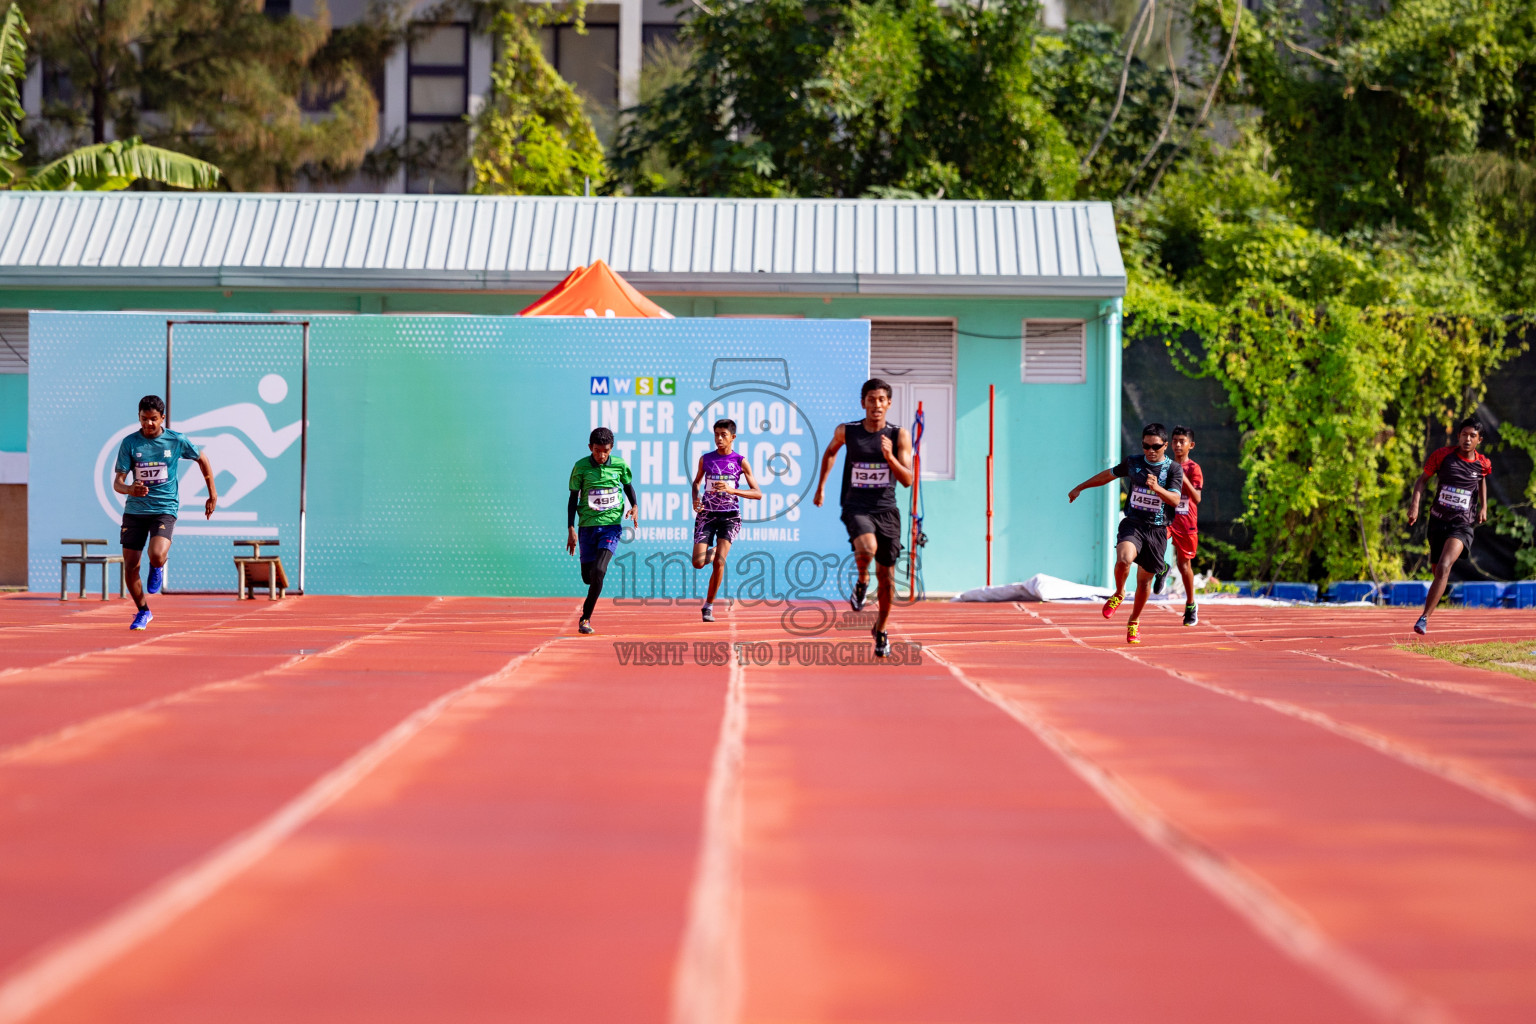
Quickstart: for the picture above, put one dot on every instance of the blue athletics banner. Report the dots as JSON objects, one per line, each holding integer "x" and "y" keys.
{"x": 439, "y": 448}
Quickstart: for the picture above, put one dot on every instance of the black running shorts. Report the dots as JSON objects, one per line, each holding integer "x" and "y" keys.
{"x": 1151, "y": 542}
{"x": 137, "y": 529}
{"x": 885, "y": 524}
{"x": 1441, "y": 531}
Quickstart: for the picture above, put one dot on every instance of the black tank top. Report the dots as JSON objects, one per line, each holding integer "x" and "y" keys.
{"x": 868, "y": 483}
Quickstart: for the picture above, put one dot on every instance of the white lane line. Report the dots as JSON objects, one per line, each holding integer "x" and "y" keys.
{"x": 1445, "y": 687}
{"x": 27, "y": 748}
{"x": 707, "y": 978}
{"x": 55, "y": 973}
{"x": 1287, "y": 926}
{"x": 1454, "y": 771}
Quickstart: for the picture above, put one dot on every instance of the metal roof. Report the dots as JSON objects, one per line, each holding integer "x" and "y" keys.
{"x": 519, "y": 243}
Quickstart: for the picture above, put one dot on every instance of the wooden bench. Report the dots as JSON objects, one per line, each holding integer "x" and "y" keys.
{"x": 256, "y": 568}
{"x": 83, "y": 559}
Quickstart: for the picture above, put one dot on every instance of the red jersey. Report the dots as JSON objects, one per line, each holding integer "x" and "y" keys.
{"x": 1187, "y": 518}
{"x": 1456, "y": 500}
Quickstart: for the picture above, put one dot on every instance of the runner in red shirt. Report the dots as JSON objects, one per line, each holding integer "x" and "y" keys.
{"x": 1461, "y": 502}
{"x": 1184, "y": 531}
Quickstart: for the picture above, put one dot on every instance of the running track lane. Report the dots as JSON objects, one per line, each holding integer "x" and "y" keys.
{"x": 1417, "y": 875}
{"x": 36, "y": 630}
{"x": 90, "y": 820}
{"x": 912, "y": 854}
{"x": 104, "y": 671}
{"x": 528, "y": 857}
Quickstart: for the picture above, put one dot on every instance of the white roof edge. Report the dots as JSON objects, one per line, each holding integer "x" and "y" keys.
{"x": 526, "y": 243}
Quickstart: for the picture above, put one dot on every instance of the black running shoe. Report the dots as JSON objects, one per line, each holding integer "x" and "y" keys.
{"x": 882, "y": 644}
{"x": 585, "y": 627}
{"x": 1191, "y": 615}
{"x": 857, "y": 600}
{"x": 1158, "y": 581}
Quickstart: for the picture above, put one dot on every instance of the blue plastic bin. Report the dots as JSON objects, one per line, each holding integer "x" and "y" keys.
{"x": 1351, "y": 590}
{"x": 1520, "y": 595}
{"x": 1478, "y": 594}
{"x": 1407, "y": 592}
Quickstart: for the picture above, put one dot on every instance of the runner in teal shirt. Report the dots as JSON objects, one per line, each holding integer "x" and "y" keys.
{"x": 147, "y": 471}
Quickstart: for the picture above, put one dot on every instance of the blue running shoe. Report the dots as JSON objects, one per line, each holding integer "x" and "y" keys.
{"x": 1422, "y": 626}
{"x": 141, "y": 620}
{"x": 156, "y": 579}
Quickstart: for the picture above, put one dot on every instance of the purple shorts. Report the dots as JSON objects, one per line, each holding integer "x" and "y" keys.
{"x": 711, "y": 526}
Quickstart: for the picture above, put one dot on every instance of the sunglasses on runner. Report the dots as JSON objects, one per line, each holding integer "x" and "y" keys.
{"x": 1152, "y": 447}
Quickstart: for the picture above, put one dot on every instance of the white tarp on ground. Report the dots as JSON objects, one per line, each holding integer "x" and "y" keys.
{"x": 1038, "y": 587}
{"x": 1041, "y": 587}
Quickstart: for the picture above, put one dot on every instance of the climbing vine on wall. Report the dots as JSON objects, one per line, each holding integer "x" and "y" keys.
{"x": 1335, "y": 402}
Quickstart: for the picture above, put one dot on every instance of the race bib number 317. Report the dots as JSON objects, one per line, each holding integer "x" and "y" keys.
{"x": 152, "y": 473}
{"x": 871, "y": 474}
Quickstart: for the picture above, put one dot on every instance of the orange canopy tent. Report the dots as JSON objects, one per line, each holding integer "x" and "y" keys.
{"x": 594, "y": 291}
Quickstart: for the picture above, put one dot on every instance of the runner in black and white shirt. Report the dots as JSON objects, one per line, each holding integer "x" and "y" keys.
{"x": 1461, "y": 502}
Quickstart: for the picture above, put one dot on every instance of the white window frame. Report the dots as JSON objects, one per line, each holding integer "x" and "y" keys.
{"x": 903, "y": 401}
{"x": 1082, "y": 324}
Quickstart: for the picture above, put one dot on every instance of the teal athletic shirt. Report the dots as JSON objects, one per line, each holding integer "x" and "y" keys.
{"x": 602, "y": 489}
{"x": 153, "y": 461}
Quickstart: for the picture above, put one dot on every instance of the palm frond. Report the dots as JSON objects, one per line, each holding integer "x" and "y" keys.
{"x": 110, "y": 166}
{"x": 13, "y": 70}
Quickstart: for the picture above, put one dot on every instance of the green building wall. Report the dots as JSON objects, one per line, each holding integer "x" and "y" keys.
{"x": 1048, "y": 437}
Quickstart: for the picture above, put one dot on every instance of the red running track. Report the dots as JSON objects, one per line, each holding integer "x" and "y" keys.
{"x": 457, "y": 809}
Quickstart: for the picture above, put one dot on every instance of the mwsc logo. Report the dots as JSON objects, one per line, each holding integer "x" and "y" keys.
{"x": 642, "y": 386}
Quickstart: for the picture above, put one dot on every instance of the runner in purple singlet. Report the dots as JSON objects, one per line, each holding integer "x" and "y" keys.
{"x": 717, "y": 511}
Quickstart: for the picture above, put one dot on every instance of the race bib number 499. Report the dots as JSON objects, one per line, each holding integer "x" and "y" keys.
{"x": 603, "y": 499}
{"x": 871, "y": 474}
{"x": 152, "y": 473}
{"x": 1145, "y": 500}
{"x": 1454, "y": 497}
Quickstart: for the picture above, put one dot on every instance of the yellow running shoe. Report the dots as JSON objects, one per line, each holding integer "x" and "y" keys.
{"x": 1133, "y": 632}
{"x": 1113, "y": 603}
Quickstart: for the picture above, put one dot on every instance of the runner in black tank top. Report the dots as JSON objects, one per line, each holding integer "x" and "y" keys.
{"x": 1461, "y": 503}
{"x": 879, "y": 457}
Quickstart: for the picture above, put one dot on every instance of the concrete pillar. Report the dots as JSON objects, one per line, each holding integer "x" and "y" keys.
{"x": 631, "y": 38}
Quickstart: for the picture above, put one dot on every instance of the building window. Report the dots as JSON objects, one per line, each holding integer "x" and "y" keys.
{"x": 275, "y": 9}
{"x": 1054, "y": 352}
{"x": 436, "y": 100}
{"x": 917, "y": 358}
{"x": 589, "y": 62}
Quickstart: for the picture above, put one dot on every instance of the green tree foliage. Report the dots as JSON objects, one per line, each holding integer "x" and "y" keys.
{"x": 533, "y": 136}
{"x": 1337, "y": 362}
{"x": 270, "y": 100}
{"x": 100, "y": 168}
{"x": 1362, "y": 118}
{"x": 840, "y": 98}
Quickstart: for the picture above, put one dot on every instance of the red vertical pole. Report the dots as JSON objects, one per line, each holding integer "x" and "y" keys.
{"x": 991, "y": 409}
{"x": 917, "y": 470}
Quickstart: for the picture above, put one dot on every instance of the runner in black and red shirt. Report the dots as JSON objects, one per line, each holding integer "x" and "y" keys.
{"x": 1461, "y": 502}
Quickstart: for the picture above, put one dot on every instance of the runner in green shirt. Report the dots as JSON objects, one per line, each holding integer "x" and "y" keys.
{"x": 600, "y": 483}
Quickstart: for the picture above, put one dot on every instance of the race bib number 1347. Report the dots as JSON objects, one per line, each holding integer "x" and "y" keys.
{"x": 871, "y": 474}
